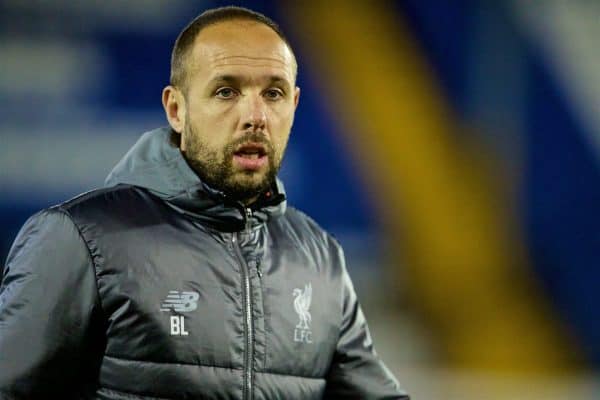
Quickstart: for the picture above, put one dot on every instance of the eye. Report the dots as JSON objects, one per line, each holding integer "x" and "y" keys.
{"x": 273, "y": 94}
{"x": 225, "y": 93}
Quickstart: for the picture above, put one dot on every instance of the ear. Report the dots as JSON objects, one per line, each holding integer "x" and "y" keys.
{"x": 296, "y": 97}
{"x": 175, "y": 108}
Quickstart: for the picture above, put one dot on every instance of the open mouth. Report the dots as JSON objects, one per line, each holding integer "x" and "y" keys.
{"x": 251, "y": 156}
{"x": 251, "y": 151}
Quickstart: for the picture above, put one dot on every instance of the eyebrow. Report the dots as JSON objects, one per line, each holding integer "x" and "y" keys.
{"x": 233, "y": 80}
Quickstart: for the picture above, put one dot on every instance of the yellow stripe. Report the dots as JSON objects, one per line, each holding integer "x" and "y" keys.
{"x": 464, "y": 266}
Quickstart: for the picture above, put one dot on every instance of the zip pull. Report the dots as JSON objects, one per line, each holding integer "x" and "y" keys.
{"x": 248, "y": 217}
{"x": 258, "y": 269}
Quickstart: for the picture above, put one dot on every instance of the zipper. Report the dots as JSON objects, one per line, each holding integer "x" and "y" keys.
{"x": 248, "y": 211}
{"x": 258, "y": 269}
{"x": 247, "y": 305}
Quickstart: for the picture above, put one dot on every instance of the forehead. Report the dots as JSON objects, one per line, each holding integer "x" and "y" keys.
{"x": 236, "y": 46}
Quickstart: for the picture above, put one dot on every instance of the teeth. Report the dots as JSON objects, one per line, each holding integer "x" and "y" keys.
{"x": 250, "y": 155}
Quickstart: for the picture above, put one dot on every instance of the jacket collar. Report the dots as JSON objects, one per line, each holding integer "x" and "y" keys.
{"x": 156, "y": 164}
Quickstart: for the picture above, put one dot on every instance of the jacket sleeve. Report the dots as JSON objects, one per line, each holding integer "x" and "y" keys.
{"x": 48, "y": 296}
{"x": 356, "y": 371}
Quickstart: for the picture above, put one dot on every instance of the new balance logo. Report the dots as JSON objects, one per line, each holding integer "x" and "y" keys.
{"x": 180, "y": 301}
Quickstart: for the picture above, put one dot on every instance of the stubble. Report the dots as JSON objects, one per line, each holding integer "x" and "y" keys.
{"x": 215, "y": 167}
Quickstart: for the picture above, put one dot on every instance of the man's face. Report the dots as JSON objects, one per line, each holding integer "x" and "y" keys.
{"x": 240, "y": 104}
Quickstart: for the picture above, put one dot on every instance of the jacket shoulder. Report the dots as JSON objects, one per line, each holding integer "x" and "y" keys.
{"x": 305, "y": 229}
{"x": 304, "y": 221}
{"x": 112, "y": 202}
{"x": 97, "y": 197}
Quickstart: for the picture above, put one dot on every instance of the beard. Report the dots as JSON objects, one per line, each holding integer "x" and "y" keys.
{"x": 215, "y": 168}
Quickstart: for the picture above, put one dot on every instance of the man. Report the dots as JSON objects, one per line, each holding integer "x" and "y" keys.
{"x": 188, "y": 277}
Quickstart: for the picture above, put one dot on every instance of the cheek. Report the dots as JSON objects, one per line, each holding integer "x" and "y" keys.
{"x": 212, "y": 132}
{"x": 212, "y": 116}
{"x": 282, "y": 124}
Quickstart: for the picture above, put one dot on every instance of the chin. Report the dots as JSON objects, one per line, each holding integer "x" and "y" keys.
{"x": 254, "y": 183}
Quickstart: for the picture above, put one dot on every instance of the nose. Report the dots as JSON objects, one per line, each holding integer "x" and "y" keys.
{"x": 255, "y": 115}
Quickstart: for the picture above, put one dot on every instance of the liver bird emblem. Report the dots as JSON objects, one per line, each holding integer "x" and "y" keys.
{"x": 302, "y": 304}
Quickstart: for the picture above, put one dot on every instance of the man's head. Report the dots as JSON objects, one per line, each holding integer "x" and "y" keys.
{"x": 232, "y": 99}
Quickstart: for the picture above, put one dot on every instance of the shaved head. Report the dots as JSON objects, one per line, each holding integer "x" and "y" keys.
{"x": 180, "y": 57}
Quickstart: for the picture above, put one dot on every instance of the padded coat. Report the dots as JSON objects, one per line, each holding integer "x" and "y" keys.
{"x": 159, "y": 287}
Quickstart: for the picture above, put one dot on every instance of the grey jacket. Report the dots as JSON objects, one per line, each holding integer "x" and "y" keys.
{"x": 159, "y": 287}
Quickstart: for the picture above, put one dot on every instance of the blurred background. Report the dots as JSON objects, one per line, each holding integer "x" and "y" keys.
{"x": 451, "y": 146}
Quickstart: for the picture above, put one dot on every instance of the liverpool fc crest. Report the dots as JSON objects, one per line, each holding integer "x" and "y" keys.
{"x": 302, "y": 299}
